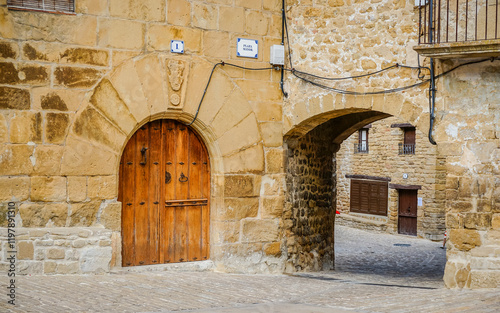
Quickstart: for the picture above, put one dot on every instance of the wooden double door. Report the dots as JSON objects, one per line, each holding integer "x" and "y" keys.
{"x": 164, "y": 189}
{"x": 407, "y": 221}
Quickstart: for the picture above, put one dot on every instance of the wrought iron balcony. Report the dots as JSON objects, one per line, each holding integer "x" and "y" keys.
{"x": 406, "y": 148}
{"x": 458, "y": 28}
{"x": 360, "y": 148}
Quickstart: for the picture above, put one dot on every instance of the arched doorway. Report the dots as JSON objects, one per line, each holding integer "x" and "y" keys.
{"x": 165, "y": 191}
{"x": 312, "y": 177}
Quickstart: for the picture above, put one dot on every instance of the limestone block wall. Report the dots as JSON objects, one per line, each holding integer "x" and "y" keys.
{"x": 384, "y": 160}
{"x": 346, "y": 38}
{"x": 60, "y": 250}
{"x": 469, "y": 119}
{"x": 74, "y": 88}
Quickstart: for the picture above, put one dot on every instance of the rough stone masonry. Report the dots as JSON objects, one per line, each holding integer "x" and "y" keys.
{"x": 75, "y": 87}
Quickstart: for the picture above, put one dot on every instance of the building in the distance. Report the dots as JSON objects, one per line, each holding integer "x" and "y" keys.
{"x": 387, "y": 174}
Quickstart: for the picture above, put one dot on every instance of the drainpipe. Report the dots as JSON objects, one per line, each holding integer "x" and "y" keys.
{"x": 432, "y": 102}
{"x": 432, "y": 86}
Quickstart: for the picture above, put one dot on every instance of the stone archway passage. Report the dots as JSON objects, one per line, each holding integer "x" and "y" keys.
{"x": 164, "y": 190}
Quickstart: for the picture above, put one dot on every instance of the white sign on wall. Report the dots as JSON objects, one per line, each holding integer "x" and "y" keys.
{"x": 247, "y": 48}
{"x": 420, "y": 202}
{"x": 177, "y": 46}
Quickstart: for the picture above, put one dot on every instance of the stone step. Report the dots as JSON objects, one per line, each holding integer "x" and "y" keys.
{"x": 199, "y": 266}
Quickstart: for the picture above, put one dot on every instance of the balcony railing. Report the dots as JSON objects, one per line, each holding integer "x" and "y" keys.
{"x": 447, "y": 21}
{"x": 406, "y": 148}
{"x": 363, "y": 148}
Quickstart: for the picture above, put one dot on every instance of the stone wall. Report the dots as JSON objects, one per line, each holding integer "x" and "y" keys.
{"x": 469, "y": 120}
{"x": 347, "y": 38}
{"x": 75, "y": 87}
{"x": 384, "y": 160}
{"x": 60, "y": 250}
{"x": 309, "y": 213}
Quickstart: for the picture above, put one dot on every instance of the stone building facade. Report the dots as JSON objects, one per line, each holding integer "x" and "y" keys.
{"x": 345, "y": 38}
{"x": 385, "y": 158}
{"x": 74, "y": 88}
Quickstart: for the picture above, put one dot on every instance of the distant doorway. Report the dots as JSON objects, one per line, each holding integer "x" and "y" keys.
{"x": 407, "y": 216}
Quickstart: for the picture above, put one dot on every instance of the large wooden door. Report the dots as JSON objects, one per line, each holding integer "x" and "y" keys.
{"x": 164, "y": 190}
{"x": 407, "y": 222}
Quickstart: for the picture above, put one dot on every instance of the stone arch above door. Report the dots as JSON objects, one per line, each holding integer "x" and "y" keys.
{"x": 146, "y": 88}
{"x": 137, "y": 92}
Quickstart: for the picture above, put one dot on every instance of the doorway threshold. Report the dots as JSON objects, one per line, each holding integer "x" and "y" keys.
{"x": 198, "y": 266}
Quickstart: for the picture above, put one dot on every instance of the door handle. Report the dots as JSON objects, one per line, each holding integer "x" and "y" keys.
{"x": 183, "y": 178}
{"x": 168, "y": 177}
{"x": 144, "y": 156}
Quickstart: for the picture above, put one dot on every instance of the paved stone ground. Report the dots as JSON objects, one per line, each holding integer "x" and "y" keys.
{"x": 390, "y": 259}
{"x": 373, "y": 276}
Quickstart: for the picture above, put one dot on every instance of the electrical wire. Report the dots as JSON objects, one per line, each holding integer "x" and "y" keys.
{"x": 210, "y": 79}
{"x": 467, "y": 63}
{"x": 342, "y": 91}
{"x": 297, "y": 74}
{"x": 362, "y": 75}
{"x": 283, "y": 20}
{"x": 287, "y": 37}
{"x": 419, "y": 75}
{"x": 349, "y": 92}
{"x": 204, "y": 92}
{"x": 350, "y": 77}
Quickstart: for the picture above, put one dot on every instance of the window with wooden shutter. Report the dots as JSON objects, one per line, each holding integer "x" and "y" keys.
{"x": 56, "y": 6}
{"x": 408, "y": 145}
{"x": 369, "y": 197}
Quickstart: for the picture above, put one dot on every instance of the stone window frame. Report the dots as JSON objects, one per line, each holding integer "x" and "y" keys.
{"x": 47, "y": 6}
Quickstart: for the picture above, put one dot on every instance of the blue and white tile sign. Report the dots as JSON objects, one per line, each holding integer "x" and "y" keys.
{"x": 177, "y": 46}
{"x": 247, "y": 48}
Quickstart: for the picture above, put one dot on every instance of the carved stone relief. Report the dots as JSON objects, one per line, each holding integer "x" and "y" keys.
{"x": 177, "y": 71}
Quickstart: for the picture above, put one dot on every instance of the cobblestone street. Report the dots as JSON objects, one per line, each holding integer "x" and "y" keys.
{"x": 375, "y": 273}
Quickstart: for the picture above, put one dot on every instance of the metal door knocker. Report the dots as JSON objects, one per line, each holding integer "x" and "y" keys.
{"x": 183, "y": 178}
{"x": 144, "y": 157}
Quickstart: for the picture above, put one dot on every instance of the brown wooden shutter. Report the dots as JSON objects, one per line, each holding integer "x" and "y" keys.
{"x": 369, "y": 197}
{"x": 364, "y": 196}
{"x": 355, "y": 198}
{"x": 44, "y": 5}
{"x": 409, "y": 136}
{"x": 383, "y": 199}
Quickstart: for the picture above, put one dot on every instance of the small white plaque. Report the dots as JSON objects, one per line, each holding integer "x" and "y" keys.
{"x": 177, "y": 46}
{"x": 420, "y": 202}
{"x": 247, "y": 48}
{"x": 405, "y": 176}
